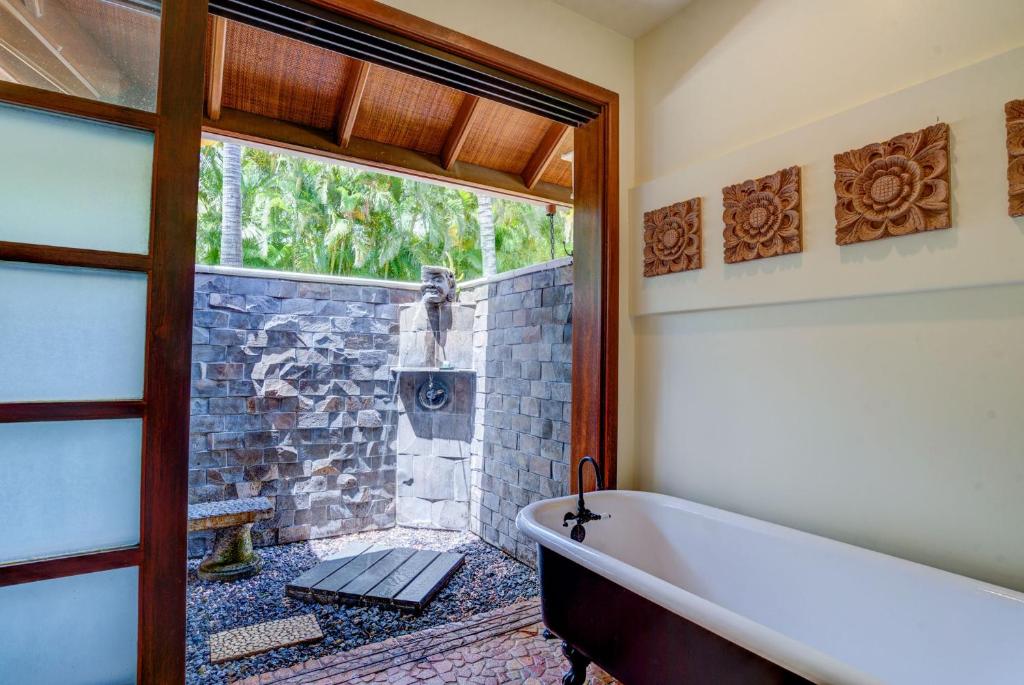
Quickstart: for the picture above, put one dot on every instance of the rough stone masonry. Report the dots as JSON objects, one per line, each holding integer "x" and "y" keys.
{"x": 293, "y": 399}
{"x": 523, "y": 358}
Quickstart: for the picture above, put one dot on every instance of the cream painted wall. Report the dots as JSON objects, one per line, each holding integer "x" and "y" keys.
{"x": 555, "y": 36}
{"x": 723, "y": 74}
{"x": 895, "y": 422}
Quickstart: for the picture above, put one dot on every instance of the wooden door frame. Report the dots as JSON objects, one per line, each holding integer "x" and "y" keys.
{"x": 170, "y": 266}
{"x": 594, "y": 424}
{"x": 164, "y": 409}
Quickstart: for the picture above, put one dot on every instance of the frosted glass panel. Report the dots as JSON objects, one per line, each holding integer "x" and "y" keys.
{"x": 71, "y": 334}
{"x": 75, "y": 184}
{"x": 98, "y": 49}
{"x": 80, "y": 630}
{"x": 69, "y": 487}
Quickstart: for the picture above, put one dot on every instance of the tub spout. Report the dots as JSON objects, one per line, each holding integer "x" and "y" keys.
{"x": 582, "y": 514}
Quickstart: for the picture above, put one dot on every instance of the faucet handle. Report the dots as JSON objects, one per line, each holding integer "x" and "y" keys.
{"x": 569, "y": 516}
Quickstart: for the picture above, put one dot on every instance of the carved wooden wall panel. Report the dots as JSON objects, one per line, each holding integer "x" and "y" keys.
{"x": 1015, "y": 150}
{"x": 672, "y": 238}
{"x": 762, "y": 217}
{"x": 894, "y": 188}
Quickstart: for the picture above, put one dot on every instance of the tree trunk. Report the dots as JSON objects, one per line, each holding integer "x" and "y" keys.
{"x": 485, "y": 216}
{"x": 231, "y": 216}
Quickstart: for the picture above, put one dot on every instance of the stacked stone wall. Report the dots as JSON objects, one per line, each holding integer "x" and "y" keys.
{"x": 292, "y": 398}
{"x": 523, "y": 358}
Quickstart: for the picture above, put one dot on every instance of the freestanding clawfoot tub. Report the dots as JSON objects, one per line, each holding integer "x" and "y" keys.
{"x": 670, "y": 591}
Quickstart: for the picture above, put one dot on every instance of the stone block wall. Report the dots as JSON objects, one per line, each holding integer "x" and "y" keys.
{"x": 293, "y": 399}
{"x": 523, "y": 358}
{"x": 436, "y": 414}
{"x": 434, "y": 450}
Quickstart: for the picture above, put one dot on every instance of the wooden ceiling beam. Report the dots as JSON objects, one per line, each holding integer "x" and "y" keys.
{"x": 215, "y": 67}
{"x": 545, "y": 153}
{"x": 275, "y": 133}
{"x": 459, "y": 131}
{"x": 351, "y": 98}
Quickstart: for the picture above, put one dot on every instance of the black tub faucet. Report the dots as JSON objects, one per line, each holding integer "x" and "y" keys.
{"x": 583, "y": 515}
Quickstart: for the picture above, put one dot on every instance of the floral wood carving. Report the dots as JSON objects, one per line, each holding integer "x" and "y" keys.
{"x": 762, "y": 217}
{"x": 893, "y": 188}
{"x": 1015, "y": 149}
{"x": 672, "y": 238}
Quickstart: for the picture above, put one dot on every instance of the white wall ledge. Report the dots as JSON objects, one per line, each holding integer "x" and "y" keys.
{"x": 523, "y": 271}
{"x": 246, "y": 272}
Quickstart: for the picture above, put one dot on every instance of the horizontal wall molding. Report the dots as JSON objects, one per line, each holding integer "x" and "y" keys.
{"x": 73, "y": 256}
{"x": 20, "y": 412}
{"x": 62, "y": 103}
{"x": 984, "y": 247}
{"x": 61, "y": 567}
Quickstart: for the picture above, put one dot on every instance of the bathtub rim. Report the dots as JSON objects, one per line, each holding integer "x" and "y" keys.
{"x": 760, "y": 639}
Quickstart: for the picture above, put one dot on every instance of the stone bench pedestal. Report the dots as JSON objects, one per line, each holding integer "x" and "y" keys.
{"x": 232, "y": 556}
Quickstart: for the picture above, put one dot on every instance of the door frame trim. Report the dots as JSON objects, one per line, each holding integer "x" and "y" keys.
{"x": 595, "y": 313}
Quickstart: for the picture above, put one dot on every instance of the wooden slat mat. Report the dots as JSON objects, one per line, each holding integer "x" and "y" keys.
{"x": 400, "y": 577}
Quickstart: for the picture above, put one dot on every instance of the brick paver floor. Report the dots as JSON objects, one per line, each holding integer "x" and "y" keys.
{"x": 500, "y": 647}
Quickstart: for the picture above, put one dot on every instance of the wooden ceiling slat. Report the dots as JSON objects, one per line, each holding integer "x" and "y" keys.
{"x": 215, "y": 67}
{"x": 459, "y": 131}
{"x": 544, "y": 154}
{"x": 502, "y": 137}
{"x": 406, "y": 111}
{"x": 441, "y": 132}
{"x": 282, "y": 78}
{"x": 351, "y": 99}
{"x": 262, "y": 130}
{"x": 559, "y": 171}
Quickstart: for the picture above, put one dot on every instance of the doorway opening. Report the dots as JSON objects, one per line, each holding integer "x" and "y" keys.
{"x": 358, "y": 414}
{"x": 155, "y": 118}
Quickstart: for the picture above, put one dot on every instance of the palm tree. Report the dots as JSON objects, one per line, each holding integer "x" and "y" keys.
{"x": 300, "y": 214}
{"x": 231, "y": 218}
{"x": 485, "y": 217}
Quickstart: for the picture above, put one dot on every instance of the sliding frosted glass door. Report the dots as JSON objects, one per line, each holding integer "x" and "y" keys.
{"x": 72, "y": 334}
{"x": 98, "y": 167}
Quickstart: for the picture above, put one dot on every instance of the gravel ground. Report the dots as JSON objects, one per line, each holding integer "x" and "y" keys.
{"x": 488, "y": 580}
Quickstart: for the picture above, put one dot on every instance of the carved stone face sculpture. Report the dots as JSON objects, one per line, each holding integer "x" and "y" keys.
{"x": 438, "y": 285}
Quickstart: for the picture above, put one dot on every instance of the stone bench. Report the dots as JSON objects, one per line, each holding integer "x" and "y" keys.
{"x": 232, "y": 556}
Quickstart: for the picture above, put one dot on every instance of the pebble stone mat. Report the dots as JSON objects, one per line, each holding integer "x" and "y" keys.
{"x": 262, "y": 637}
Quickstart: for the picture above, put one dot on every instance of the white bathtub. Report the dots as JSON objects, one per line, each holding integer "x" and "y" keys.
{"x": 827, "y": 611}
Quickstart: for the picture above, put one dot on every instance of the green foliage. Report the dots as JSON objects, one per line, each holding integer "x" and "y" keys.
{"x": 300, "y": 214}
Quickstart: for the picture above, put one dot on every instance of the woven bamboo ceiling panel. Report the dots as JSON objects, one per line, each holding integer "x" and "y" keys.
{"x": 502, "y": 137}
{"x": 406, "y": 111}
{"x": 281, "y": 79}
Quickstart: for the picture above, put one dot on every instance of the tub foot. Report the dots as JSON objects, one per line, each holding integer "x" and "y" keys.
{"x": 548, "y": 635}
{"x": 577, "y": 673}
